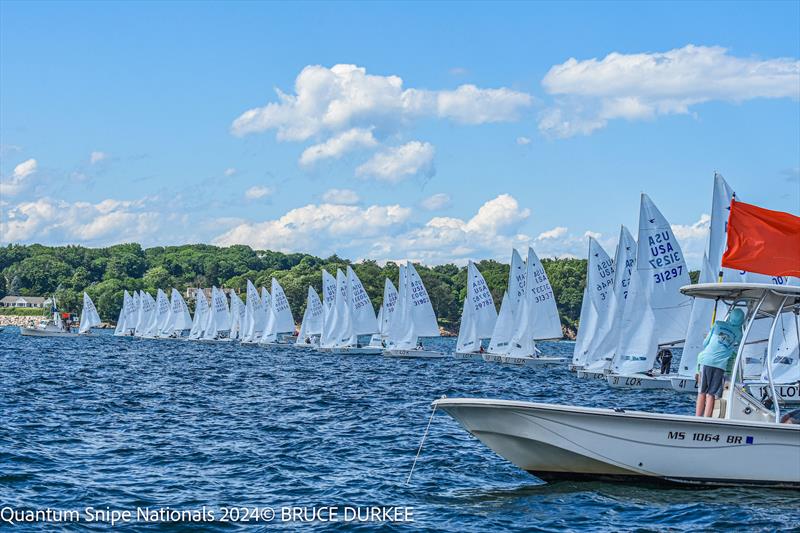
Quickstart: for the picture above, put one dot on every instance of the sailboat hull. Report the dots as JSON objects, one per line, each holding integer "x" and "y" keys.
{"x": 638, "y": 381}
{"x": 592, "y": 374}
{"x": 414, "y": 354}
{"x": 789, "y": 393}
{"x": 523, "y": 360}
{"x": 352, "y": 350}
{"x": 467, "y": 355}
{"x": 554, "y": 442}
{"x": 684, "y": 384}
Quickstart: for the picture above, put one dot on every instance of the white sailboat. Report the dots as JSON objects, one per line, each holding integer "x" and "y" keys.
{"x": 600, "y": 271}
{"x": 506, "y": 319}
{"x": 413, "y": 319}
{"x": 746, "y": 442}
{"x": 338, "y": 316}
{"x": 656, "y": 312}
{"x": 121, "y": 329}
{"x": 147, "y": 325}
{"x": 537, "y": 318}
{"x": 311, "y": 326}
{"x": 255, "y": 320}
{"x": 200, "y": 315}
{"x": 600, "y": 347}
{"x": 361, "y": 320}
{"x": 388, "y": 305}
{"x": 280, "y": 323}
{"x": 163, "y": 315}
{"x": 181, "y": 320}
{"x": 89, "y": 316}
{"x": 237, "y": 316}
{"x": 478, "y": 316}
{"x": 218, "y": 321}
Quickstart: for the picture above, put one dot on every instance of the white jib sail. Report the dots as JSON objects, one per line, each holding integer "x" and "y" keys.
{"x": 328, "y": 303}
{"x": 123, "y": 314}
{"x": 479, "y": 311}
{"x": 200, "y": 314}
{"x": 504, "y": 326}
{"x": 136, "y": 323}
{"x": 659, "y": 313}
{"x": 601, "y": 354}
{"x": 586, "y": 324}
{"x": 699, "y": 323}
{"x": 89, "y": 316}
{"x": 255, "y": 317}
{"x": 163, "y": 314}
{"x": 400, "y": 319}
{"x": 599, "y": 291}
{"x": 341, "y": 311}
{"x": 385, "y": 313}
{"x": 149, "y": 317}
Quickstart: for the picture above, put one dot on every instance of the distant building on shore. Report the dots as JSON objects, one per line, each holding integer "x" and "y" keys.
{"x": 29, "y": 302}
{"x": 191, "y": 291}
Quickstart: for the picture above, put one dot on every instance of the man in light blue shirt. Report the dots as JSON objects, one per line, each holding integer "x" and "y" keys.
{"x": 719, "y": 351}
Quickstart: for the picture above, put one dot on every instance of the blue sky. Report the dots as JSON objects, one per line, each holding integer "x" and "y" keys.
{"x": 451, "y": 131}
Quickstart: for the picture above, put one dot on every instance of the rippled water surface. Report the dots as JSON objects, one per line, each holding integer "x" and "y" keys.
{"x": 126, "y": 423}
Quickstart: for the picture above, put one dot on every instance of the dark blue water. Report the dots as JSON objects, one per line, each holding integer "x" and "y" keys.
{"x": 126, "y": 423}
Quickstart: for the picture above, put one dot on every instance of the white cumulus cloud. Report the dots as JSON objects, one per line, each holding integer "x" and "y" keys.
{"x": 522, "y": 141}
{"x": 12, "y": 185}
{"x": 230, "y": 171}
{"x": 591, "y": 92}
{"x": 436, "y": 201}
{"x": 338, "y": 145}
{"x": 400, "y": 162}
{"x": 341, "y": 196}
{"x": 257, "y": 191}
{"x": 96, "y": 157}
{"x": 555, "y": 233}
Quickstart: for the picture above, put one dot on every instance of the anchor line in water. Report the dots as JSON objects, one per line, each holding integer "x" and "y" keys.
{"x": 422, "y": 442}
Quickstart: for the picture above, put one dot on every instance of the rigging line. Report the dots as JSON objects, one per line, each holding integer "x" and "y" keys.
{"x": 419, "y": 450}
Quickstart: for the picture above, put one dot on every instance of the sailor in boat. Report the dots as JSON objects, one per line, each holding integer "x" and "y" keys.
{"x": 665, "y": 358}
{"x": 719, "y": 350}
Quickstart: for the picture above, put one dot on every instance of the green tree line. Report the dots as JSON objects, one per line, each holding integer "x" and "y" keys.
{"x": 67, "y": 271}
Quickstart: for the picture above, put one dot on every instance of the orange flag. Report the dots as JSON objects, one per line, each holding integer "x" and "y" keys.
{"x": 762, "y": 241}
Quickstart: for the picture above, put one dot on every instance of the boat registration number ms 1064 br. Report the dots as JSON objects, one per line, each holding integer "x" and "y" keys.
{"x": 710, "y": 437}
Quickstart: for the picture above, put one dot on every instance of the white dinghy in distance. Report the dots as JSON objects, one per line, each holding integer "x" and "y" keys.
{"x": 509, "y": 305}
{"x": 89, "y": 316}
{"x": 656, "y": 312}
{"x": 537, "y": 319}
{"x": 280, "y": 324}
{"x": 385, "y": 313}
{"x": 361, "y": 319}
{"x": 255, "y": 316}
{"x": 478, "y": 316}
{"x": 121, "y": 328}
{"x": 412, "y": 319}
{"x": 746, "y": 445}
{"x": 311, "y": 326}
{"x": 200, "y": 315}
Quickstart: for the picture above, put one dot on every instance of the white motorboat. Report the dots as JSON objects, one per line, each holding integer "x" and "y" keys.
{"x": 747, "y": 443}
{"x": 49, "y": 327}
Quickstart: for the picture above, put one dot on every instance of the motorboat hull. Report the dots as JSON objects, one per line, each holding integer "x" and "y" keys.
{"x": 554, "y": 441}
{"x": 352, "y": 350}
{"x": 38, "y": 332}
{"x": 638, "y": 381}
{"x": 414, "y": 354}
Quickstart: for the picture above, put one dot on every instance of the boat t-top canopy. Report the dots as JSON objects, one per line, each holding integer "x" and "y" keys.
{"x": 777, "y": 298}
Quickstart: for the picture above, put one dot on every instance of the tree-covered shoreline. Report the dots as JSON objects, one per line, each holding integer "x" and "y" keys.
{"x": 104, "y": 273}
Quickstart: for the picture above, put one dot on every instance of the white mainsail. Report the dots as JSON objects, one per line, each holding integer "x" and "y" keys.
{"x": 362, "y": 314}
{"x": 312, "y": 318}
{"x": 255, "y": 315}
{"x": 136, "y": 323}
{"x": 280, "y": 314}
{"x": 219, "y": 317}
{"x": 163, "y": 314}
{"x": 327, "y": 336}
{"x": 182, "y": 320}
{"x": 601, "y": 353}
{"x": 658, "y": 313}
{"x": 699, "y": 323}
{"x": 340, "y": 319}
{"x": 537, "y": 317}
{"x": 385, "y": 313}
{"x": 400, "y": 318}
{"x": 505, "y": 325}
{"x": 479, "y": 315}
{"x": 149, "y": 318}
{"x": 599, "y": 295}
{"x": 89, "y": 316}
{"x": 200, "y": 315}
